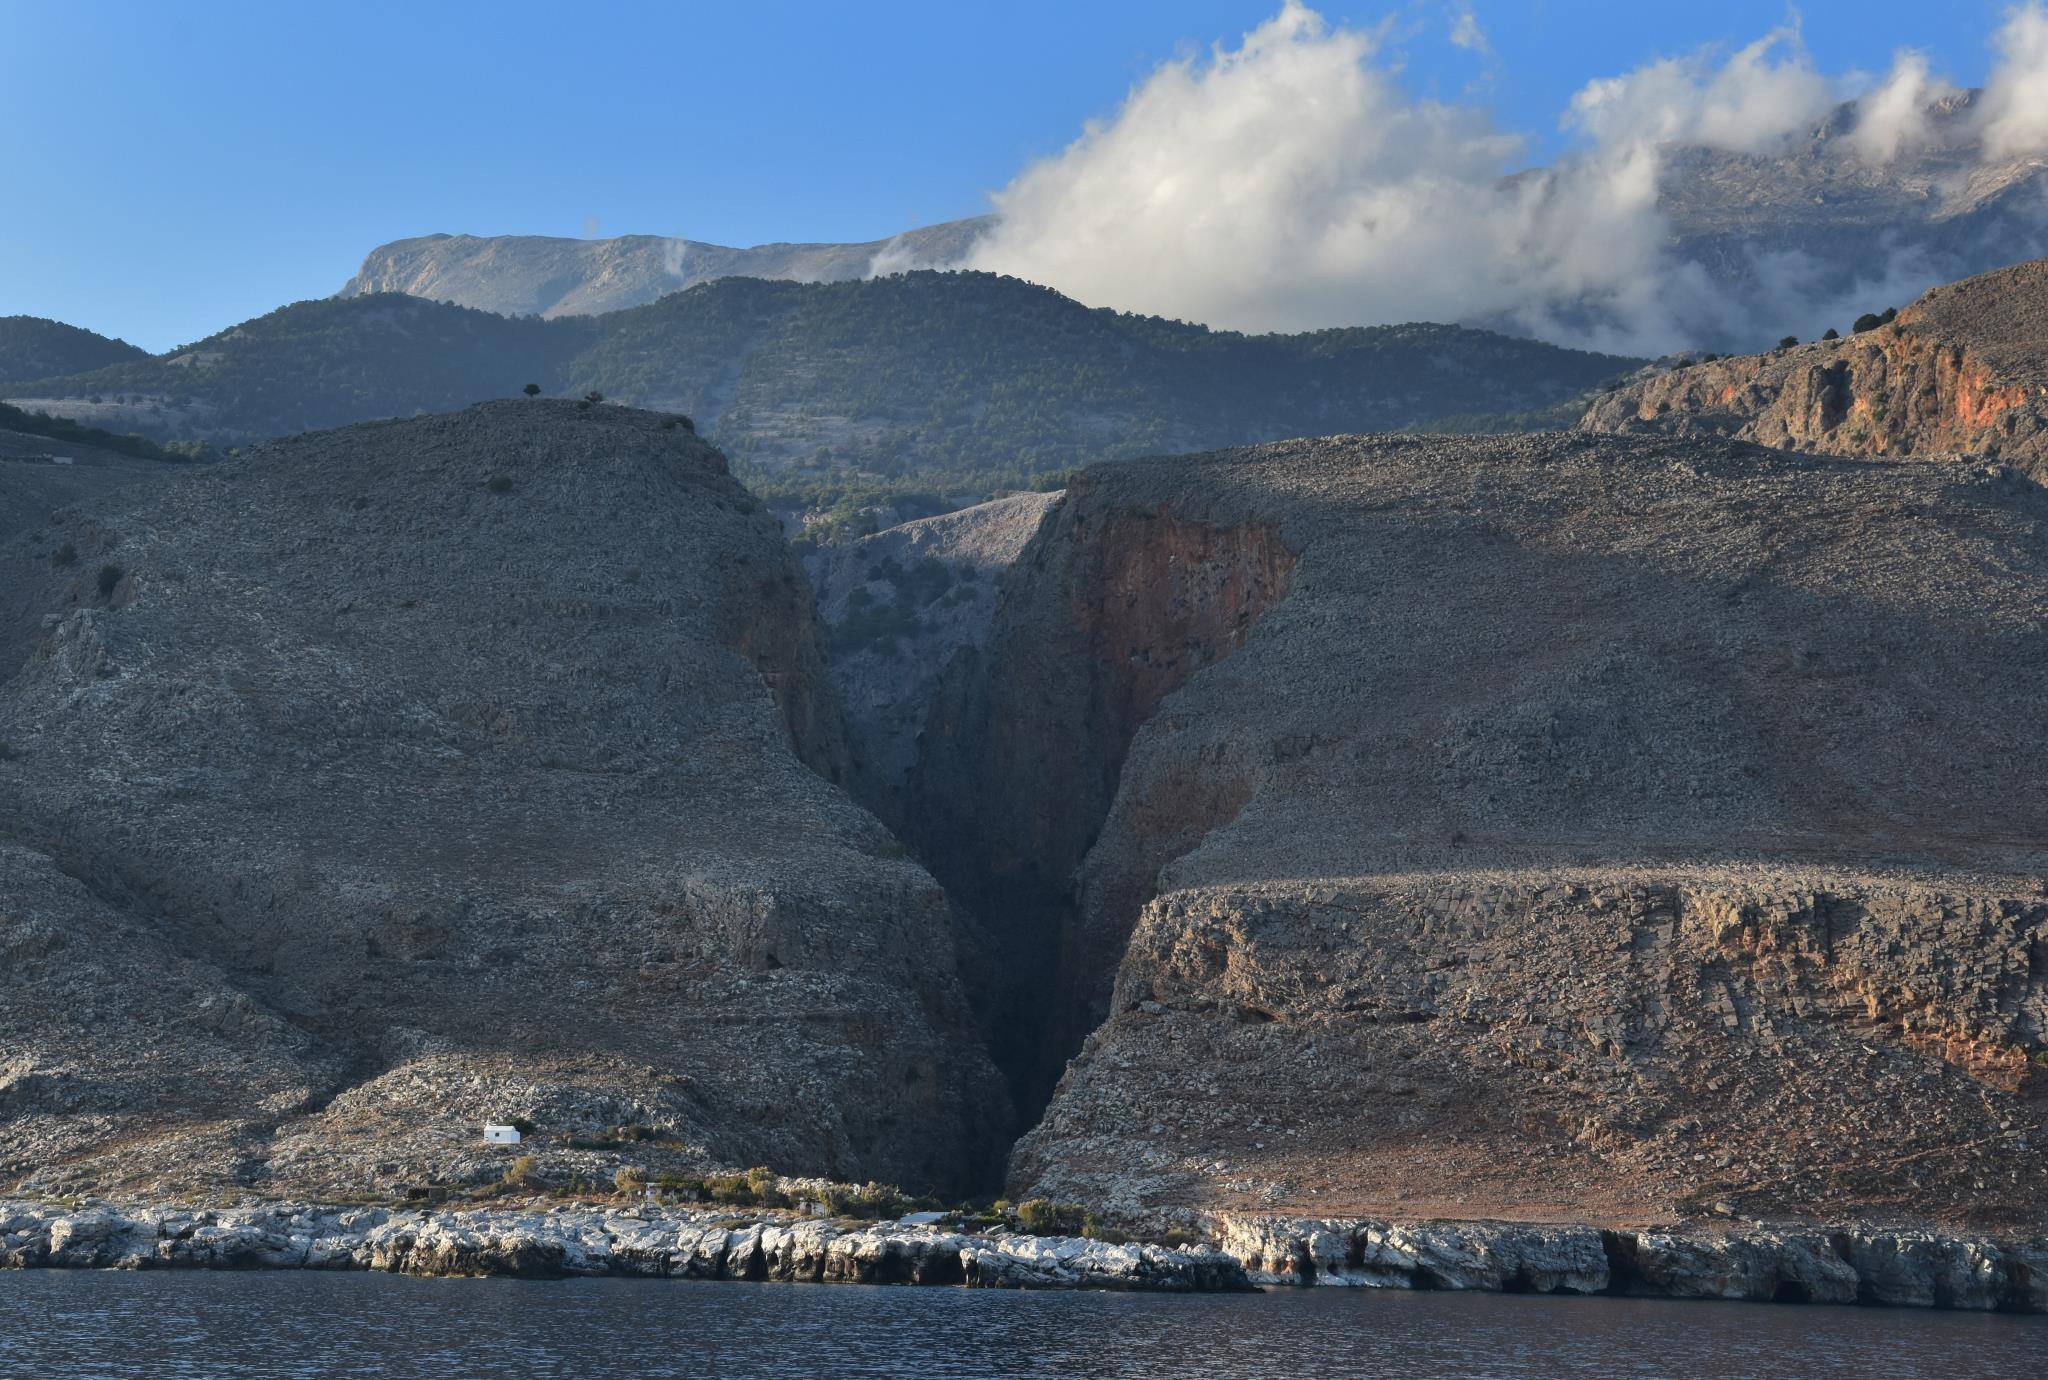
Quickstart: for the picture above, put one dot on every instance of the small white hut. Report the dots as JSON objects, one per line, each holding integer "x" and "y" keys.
{"x": 501, "y": 1135}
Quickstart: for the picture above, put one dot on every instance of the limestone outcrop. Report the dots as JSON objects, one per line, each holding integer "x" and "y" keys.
{"x": 1888, "y": 1268}
{"x": 680, "y": 1243}
{"x": 1959, "y": 372}
{"x": 1899, "y": 1269}
{"x": 516, "y": 275}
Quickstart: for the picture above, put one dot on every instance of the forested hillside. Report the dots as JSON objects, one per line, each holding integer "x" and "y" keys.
{"x": 33, "y": 347}
{"x": 971, "y": 382}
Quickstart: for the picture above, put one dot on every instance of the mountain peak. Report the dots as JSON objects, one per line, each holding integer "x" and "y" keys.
{"x": 544, "y": 275}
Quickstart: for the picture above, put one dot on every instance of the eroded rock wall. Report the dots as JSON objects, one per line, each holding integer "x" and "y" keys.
{"x": 1106, "y": 612}
{"x": 897, "y": 606}
{"x": 1960, "y": 372}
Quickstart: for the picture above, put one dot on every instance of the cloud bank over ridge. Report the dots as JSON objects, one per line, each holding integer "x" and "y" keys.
{"x": 1292, "y": 182}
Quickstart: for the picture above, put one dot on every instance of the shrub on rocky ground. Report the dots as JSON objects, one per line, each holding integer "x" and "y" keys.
{"x": 1043, "y": 1217}
{"x": 731, "y": 1189}
{"x": 869, "y": 1203}
{"x": 766, "y": 1187}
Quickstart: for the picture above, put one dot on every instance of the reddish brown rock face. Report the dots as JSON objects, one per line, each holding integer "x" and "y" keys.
{"x": 1163, "y": 598}
{"x": 1595, "y": 1048}
{"x": 1963, "y": 371}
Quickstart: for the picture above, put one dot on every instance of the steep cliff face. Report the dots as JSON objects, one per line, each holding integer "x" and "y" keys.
{"x": 1514, "y": 827}
{"x": 897, "y": 606}
{"x": 1104, "y": 614}
{"x": 463, "y": 767}
{"x": 1961, "y": 371}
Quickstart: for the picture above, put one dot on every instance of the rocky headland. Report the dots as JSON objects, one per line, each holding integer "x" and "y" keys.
{"x": 1574, "y": 863}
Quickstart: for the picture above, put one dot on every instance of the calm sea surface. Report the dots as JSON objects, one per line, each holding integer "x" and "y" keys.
{"x": 78, "y": 1324}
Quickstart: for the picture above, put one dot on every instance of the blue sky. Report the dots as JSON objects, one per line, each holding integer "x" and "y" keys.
{"x": 171, "y": 169}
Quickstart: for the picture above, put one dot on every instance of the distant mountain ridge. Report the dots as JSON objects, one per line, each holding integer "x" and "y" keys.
{"x": 977, "y": 381}
{"x": 1820, "y": 229}
{"x": 34, "y": 347}
{"x": 1757, "y": 244}
{"x": 541, "y": 275}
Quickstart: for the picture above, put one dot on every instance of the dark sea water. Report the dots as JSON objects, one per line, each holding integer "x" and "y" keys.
{"x": 83, "y": 1324}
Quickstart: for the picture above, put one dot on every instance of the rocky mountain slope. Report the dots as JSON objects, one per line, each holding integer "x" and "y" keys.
{"x": 32, "y": 347}
{"x": 32, "y": 485}
{"x": 540, "y": 275}
{"x": 900, "y": 606}
{"x": 967, "y": 382}
{"x": 1961, "y": 371}
{"x": 1631, "y": 832}
{"x": 1552, "y": 828}
{"x": 1787, "y": 239}
{"x": 387, "y": 780}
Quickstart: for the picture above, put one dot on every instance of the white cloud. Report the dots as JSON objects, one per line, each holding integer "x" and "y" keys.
{"x": 2015, "y": 104}
{"x": 1893, "y": 119}
{"x": 1282, "y": 183}
{"x": 1749, "y": 104}
{"x": 1291, "y": 182}
{"x": 1466, "y": 33}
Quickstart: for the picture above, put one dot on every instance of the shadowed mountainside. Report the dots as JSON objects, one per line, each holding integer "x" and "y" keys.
{"x": 383, "y": 781}
{"x": 966, "y": 380}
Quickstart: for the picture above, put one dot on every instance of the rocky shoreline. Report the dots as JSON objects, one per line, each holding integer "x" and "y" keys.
{"x": 661, "y": 1242}
{"x": 1897, "y": 1268}
{"x": 1894, "y": 1268}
